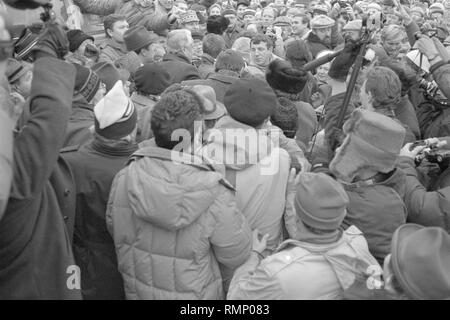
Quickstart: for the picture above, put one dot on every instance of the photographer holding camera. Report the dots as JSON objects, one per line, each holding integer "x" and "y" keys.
{"x": 427, "y": 208}
{"x": 36, "y": 259}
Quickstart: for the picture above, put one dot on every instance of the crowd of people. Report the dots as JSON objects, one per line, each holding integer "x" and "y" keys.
{"x": 249, "y": 149}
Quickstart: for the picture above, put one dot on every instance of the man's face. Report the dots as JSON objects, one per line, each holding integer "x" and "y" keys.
{"x": 248, "y": 18}
{"x": 354, "y": 35}
{"x": 392, "y": 46}
{"x": 260, "y": 53}
{"x": 373, "y": 12}
{"x": 289, "y": 3}
{"x": 233, "y": 19}
{"x": 167, "y": 4}
{"x": 298, "y": 27}
{"x": 436, "y": 16}
{"x": 118, "y": 30}
{"x": 268, "y": 17}
{"x": 324, "y": 34}
{"x": 241, "y": 9}
{"x": 215, "y": 11}
{"x": 83, "y": 45}
{"x": 191, "y": 26}
{"x": 322, "y": 72}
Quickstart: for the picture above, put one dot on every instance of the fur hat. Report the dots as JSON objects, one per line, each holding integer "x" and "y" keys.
{"x": 298, "y": 53}
{"x": 373, "y": 141}
{"x": 280, "y": 75}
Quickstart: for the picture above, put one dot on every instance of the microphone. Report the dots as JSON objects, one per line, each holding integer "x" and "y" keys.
{"x": 320, "y": 61}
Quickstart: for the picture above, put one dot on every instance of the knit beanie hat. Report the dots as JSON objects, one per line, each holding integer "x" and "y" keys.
{"x": 76, "y": 37}
{"x": 188, "y": 16}
{"x": 250, "y": 101}
{"x": 115, "y": 114}
{"x": 152, "y": 78}
{"x": 87, "y": 82}
{"x": 24, "y": 45}
{"x": 281, "y": 76}
{"x": 298, "y": 53}
{"x": 285, "y": 117}
{"x": 373, "y": 141}
{"x": 320, "y": 202}
{"x": 421, "y": 261}
{"x": 437, "y": 8}
{"x": 16, "y": 69}
{"x": 418, "y": 10}
{"x": 108, "y": 74}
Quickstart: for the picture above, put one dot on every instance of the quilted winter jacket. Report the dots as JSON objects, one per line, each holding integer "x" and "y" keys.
{"x": 173, "y": 223}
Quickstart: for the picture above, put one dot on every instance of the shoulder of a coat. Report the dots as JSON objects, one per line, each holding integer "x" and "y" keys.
{"x": 70, "y": 148}
{"x": 277, "y": 262}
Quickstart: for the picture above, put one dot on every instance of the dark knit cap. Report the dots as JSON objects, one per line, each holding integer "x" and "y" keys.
{"x": 87, "y": 82}
{"x": 108, "y": 74}
{"x": 250, "y": 101}
{"x": 281, "y": 76}
{"x": 152, "y": 78}
{"x": 24, "y": 45}
{"x": 76, "y": 38}
{"x": 285, "y": 117}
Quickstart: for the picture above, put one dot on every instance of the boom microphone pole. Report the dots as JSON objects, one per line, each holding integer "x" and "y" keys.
{"x": 320, "y": 61}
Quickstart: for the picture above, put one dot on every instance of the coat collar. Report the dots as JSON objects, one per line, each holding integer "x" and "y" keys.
{"x": 123, "y": 148}
{"x": 224, "y": 76}
{"x": 176, "y": 57}
{"x": 116, "y": 45}
{"x": 206, "y": 58}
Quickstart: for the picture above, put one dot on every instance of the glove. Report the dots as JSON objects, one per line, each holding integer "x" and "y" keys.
{"x": 52, "y": 42}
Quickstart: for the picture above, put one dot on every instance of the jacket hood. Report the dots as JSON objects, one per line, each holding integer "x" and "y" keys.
{"x": 237, "y": 145}
{"x": 170, "y": 194}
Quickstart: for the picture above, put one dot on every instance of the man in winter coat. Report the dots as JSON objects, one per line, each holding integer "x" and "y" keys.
{"x": 36, "y": 260}
{"x": 427, "y": 208}
{"x": 319, "y": 261}
{"x": 228, "y": 68}
{"x": 178, "y": 60}
{"x": 254, "y": 163}
{"x": 365, "y": 163}
{"x": 94, "y": 166}
{"x": 88, "y": 91}
{"x": 150, "y": 80}
{"x": 322, "y": 35}
{"x": 114, "y": 50}
{"x": 288, "y": 82}
{"x": 173, "y": 217}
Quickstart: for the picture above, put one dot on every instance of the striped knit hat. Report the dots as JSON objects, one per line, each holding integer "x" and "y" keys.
{"x": 87, "y": 82}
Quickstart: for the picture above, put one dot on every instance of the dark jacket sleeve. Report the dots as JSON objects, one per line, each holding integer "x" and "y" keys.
{"x": 411, "y": 30}
{"x": 427, "y": 208}
{"x": 442, "y": 77}
{"x": 36, "y": 147}
{"x": 99, "y": 7}
{"x": 6, "y": 158}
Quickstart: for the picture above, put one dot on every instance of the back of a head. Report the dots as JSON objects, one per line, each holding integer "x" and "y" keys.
{"x": 217, "y": 24}
{"x": 177, "y": 109}
{"x": 392, "y": 31}
{"x": 286, "y": 117}
{"x": 384, "y": 85}
{"x": 405, "y": 73}
{"x": 213, "y": 44}
{"x": 298, "y": 53}
{"x": 229, "y": 60}
{"x": 178, "y": 39}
